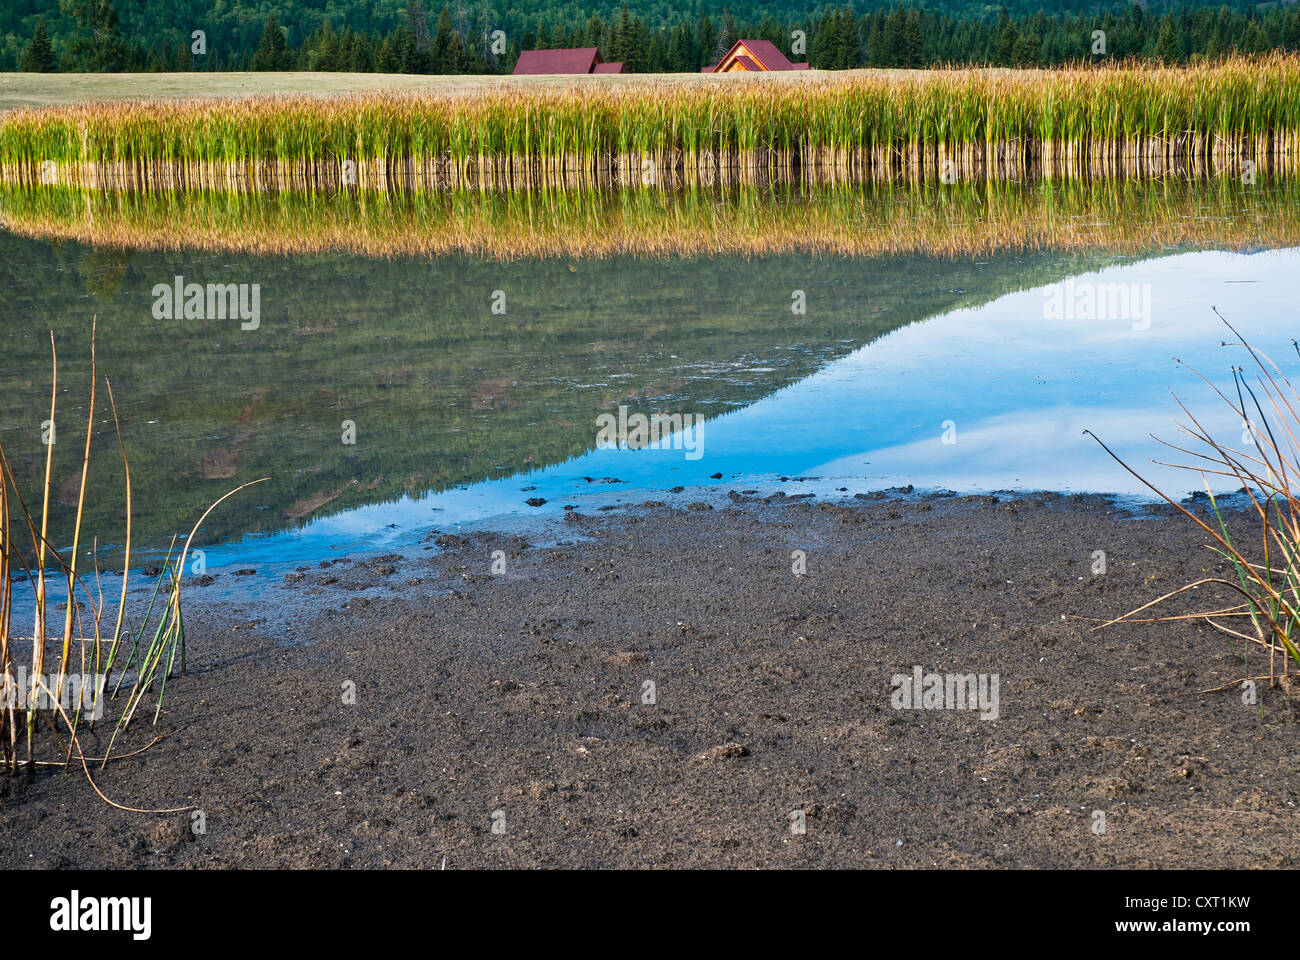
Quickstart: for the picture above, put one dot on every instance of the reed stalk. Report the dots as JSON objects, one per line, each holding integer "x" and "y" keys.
{"x": 1130, "y": 112}
{"x": 48, "y": 701}
{"x": 1263, "y": 607}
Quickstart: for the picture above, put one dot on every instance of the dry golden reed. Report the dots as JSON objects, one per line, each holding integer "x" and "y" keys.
{"x": 942, "y": 119}
{"x": 966, "y": 219}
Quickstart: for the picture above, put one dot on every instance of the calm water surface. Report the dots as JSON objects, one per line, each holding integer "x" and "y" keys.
{"x": 958, "y": 372}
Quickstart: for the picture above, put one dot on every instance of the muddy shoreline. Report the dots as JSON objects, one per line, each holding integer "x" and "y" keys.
{"x": 519, "y": 699}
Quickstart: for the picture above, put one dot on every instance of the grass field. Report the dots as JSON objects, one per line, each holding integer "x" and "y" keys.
{"x": 55, "y": 89}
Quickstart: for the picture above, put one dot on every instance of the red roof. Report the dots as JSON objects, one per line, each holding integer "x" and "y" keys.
{"x": 579, "y": 60}
{"x": 764, "y": 51}
{"x": 768, "y": 54}
{"x": 608, "y": 68}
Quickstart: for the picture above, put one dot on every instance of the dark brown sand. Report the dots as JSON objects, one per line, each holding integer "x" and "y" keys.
{"x": 523, "y": 693}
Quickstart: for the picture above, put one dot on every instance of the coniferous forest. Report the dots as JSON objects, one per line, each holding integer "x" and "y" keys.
{"x": 424, "y": 36}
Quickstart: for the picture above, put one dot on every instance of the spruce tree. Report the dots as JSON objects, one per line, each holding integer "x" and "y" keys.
{"x": 1167, "y": 43}
{"x": 272, "y": 51}
{"x": 99, "y": 46}
{"x": 622, "y": 51}
{"x": 442, "y": 42}
{"x": 594, "y": 29}
{"x": 708, "y": 39}
{"x": 38, "y": 55}
{"x": 387, "y": 61}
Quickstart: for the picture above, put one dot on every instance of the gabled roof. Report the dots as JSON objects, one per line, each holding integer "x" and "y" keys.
{"x": 748, "y": 63}
{"x": 577, "y": 60}
{"x": 767, "y": 54}
{"x": 764, "y": 51}
{"x": 608, "y": 68}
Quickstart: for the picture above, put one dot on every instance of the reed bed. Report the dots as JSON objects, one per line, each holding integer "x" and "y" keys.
{"x": 1261, "y": 611}
{"x": 1124, "y": 216}
{"x": 51, "y": 699}
{"x": 979, "y": 123}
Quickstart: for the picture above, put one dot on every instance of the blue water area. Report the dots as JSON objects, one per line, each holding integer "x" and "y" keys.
{"x": 995, "y": 397}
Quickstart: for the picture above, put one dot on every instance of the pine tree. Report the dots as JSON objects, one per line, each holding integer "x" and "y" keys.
{"x": 707, "y": 34}
{"x": 442, "y": 42}
{"x": 912, "y": 40}
{"x": 361, "y": 54}
{"x": 681, "y": 58}
{"x": 181, "y": 59}
{"x": 272, "y": 51}
{"x": 458, "y": 59}
{"x": 419, "y": 59}
{"x": 622, "y": 51}
{"x": 99, "y": 45}
{"x": 1167, "y": 44}
{"x": 1254, "y": 41}
{"x": 876, "y": 42}
{"x": 594, "y": 29}
{"x": 1027, "y": 52}
{"x": 850, "y": 41}
{"x": 38, "y": 55}
{"x": 893, "y": 45}
{"x": 649, "y": 51}
{"x": 387, "y": 61}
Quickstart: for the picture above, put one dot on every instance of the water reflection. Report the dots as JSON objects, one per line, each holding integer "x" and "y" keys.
{"x": 1135, "y": 215}
{"x": 1018, "y": 390}
{"x": 462, "y": 413}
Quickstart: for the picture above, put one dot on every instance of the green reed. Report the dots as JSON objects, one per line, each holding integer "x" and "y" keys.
{"x": 1259, "y": 605}
{"x": 1239, "y": 97}
{"x": 39, "y": 706}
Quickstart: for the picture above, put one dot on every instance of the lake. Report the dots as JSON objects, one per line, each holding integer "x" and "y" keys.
{"x": 399, "y": 365}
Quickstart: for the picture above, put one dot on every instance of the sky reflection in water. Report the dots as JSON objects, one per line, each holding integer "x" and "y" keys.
{"x": 1018, "y": 388}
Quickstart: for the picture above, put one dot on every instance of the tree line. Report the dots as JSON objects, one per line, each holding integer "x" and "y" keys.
{"x": 88, "y": 35}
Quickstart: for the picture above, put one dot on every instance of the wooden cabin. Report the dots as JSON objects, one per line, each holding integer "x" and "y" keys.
{"x": 753, "y": 56}
{"x": 575, "y": 60}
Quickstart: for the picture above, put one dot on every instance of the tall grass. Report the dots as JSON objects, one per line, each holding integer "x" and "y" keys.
{"x": 1263, "y": 609}
{"x": 978, "y": 118}
{"x": 44, "y": 714}
{"x": 1129, "y": 215}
